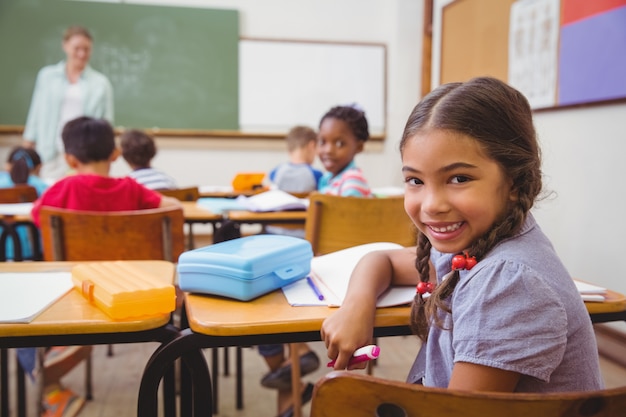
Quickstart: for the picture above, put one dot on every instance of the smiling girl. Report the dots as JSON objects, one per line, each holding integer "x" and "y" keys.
{"x": 495, "y": 308}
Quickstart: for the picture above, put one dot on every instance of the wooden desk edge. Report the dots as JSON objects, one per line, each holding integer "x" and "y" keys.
{"x": 47, "y": 323}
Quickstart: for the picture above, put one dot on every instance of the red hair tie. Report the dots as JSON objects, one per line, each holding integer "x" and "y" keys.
{"x": 425, "y": 287}
{"x": 463, "y": 261}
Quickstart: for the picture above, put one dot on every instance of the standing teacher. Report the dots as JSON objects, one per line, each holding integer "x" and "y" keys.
{"x": 63, "y": 92}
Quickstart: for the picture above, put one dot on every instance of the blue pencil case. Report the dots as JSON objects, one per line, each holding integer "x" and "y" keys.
{"x": 245, "y": 268}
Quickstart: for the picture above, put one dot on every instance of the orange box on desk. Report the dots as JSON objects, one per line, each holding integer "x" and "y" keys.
{"x": 123, "y": 291}
{"x": 248, "y": 181}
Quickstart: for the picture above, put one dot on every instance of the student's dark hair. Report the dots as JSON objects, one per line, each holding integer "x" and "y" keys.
{"x": 138, "y": 148}
{"x": 88, "y": 139}
{"x": 499, "y": 118}
{"x": 354, "y": 117}
{"x": 23, "y": 161}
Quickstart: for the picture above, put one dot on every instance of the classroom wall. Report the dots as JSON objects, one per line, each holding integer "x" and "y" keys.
{"x": 388, "y": 22}
{"x": 582, "y": 147}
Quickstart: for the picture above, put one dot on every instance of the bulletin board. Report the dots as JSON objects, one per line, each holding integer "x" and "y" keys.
{"x": 573, "y": 52}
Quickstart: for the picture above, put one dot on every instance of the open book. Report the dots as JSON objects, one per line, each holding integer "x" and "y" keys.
{"x": 331, "y": 274}
{"x": 23, "y": 296}
{"x": 590, "y": 292}
{"x": 273, "y": 200}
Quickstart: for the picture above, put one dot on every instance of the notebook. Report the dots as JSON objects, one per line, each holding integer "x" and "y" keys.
{"x": 331, "y": 274}
{"x": 590, "y": 292}
{"x": 23, "y": 296}
{"x": 273, "y": 200}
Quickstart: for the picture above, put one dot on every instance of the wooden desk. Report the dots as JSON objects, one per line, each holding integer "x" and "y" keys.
{"x": 195, "y": 213}
{"x": 217, "y": 322}
{"x": 297, "y": 217}
{"x": 73, "y": 321}
{"x": 227, "y": 192}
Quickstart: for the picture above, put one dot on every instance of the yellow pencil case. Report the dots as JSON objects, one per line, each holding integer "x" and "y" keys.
{"x": 124, "y": 291}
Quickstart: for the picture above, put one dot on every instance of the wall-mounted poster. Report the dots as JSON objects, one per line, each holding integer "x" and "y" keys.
{"x": 533, "y": 46}
{"x": 592, "y": 58}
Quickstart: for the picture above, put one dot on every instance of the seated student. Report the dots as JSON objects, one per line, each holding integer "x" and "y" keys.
{"x": 138, "y": 150}
{"x": 297, "y": 175}
{"x": 89, "y": 149}
{"x": 495, "y": 307}
{"x": 22, "y": 168}
{"x": 343, "y": 132}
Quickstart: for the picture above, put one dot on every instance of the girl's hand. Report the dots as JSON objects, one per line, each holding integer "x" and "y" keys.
{"x": 345, "y": 331}
{"x": 352, "y": 326}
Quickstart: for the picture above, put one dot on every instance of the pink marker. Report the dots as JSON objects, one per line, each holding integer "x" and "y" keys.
{"x": 364, "y": 354}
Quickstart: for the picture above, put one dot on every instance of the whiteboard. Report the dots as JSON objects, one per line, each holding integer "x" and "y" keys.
{"x": 287, "y": 83}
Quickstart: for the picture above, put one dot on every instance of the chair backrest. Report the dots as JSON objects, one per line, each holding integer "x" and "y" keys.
{"x": 8, "y": 226}
{"x": 334, "y": 223}
{"x": 183, "y": 194}
{"x": 342, "y": 393}
{"x": 18, "y": 194}
{"x": 71, "y": 235}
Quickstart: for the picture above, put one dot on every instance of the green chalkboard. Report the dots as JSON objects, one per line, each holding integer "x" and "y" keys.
{"x": 171, "y": 67}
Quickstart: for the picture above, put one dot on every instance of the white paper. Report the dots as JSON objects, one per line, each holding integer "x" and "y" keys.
{"x": 533, "y": 50}
{"x": 215, "y": 189}
{"x": 16, "y": 209}
{"x": 586, "y": 288}
{"x": 273, "y": 200}
{"x": 331, "y": 273}
{"x": 590, "y": 292}
{"x": 23, "y": 296}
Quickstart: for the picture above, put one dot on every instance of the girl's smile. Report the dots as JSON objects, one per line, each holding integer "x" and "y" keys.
{"x": 454, "y": 191}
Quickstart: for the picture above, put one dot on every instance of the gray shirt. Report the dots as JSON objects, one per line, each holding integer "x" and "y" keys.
{"x": 295, "y": 178}
{"x": 518, "y": 310}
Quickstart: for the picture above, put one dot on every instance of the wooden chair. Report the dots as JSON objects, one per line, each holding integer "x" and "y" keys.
{"x": 18, "y": 194}
{"x": 9, "y": 224}
{"x": 342, "y": 393}
{"x": 73, "y": 235}
{"x": 334, "y": 223}
{"x": 183, "y": 194}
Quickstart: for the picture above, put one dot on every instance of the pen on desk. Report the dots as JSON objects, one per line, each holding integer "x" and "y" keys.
{"x": 316, "y": 290}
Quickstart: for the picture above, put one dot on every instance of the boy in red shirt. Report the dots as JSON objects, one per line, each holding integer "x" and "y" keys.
{"x": 89, "y": 150}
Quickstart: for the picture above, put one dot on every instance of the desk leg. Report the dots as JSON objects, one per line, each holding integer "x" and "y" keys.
{"x": 21, "y": 389}
{"x": 295, "y": 381}
{"x": 4, "y": 382}
{"x": 191, "y": 244}
{"x": 185, "y": 347}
